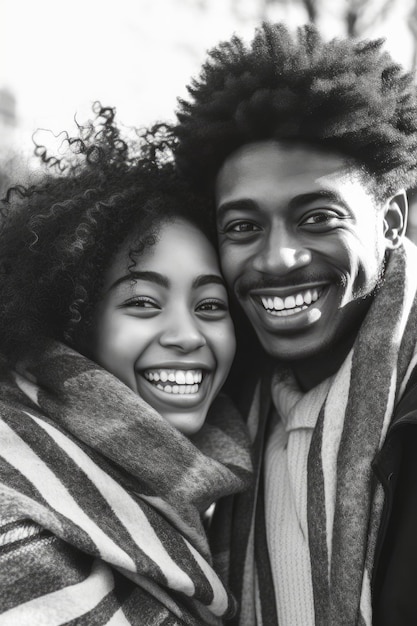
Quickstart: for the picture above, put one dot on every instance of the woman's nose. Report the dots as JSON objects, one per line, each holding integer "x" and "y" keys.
{"x": 182, "y": 333}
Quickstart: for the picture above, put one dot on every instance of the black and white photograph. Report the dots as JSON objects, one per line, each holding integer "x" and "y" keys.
{"x": 208, "y": 313}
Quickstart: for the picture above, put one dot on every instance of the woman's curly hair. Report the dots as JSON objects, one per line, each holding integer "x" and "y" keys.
{"x": 59, "y": 235}
{"x": 340, "y": 95}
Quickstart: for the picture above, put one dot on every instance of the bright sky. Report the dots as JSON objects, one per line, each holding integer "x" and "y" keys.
{"x": 58, "y": 56}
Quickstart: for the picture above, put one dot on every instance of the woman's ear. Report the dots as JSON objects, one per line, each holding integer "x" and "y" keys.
{"x": 395, "y": 220}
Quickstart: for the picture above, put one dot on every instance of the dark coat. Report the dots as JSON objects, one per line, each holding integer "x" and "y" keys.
{"x": 394, "y": 583}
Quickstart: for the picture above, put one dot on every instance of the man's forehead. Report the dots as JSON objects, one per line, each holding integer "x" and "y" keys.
{"x": 288, "y": 169}
{"x": 279, "y": 155}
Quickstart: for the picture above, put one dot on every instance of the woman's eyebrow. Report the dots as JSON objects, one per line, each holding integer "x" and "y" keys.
{"x": 153, "y": 277}
{"x": 208, "y": 279}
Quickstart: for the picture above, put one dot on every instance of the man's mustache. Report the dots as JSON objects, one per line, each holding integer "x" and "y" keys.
{"x": 250, "y": 283}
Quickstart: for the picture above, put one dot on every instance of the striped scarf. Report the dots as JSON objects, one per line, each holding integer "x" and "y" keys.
{"x": 101, "y": 501}
{"x": 344, "y": 500}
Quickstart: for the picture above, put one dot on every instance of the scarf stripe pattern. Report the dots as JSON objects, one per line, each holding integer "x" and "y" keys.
{"x": 344, "y": 500}
{"x": 101, "y": 547}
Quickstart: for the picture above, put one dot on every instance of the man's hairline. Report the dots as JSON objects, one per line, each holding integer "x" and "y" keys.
{"x": 368, "y": 179}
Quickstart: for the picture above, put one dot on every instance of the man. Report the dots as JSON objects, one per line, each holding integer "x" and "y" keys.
{"x": 307, "y": 147}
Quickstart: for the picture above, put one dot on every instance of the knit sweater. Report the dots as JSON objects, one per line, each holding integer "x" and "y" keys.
{"x": 285, "y": 476}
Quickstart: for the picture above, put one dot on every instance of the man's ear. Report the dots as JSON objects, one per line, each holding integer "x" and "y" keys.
{"x": 395, "y": 220}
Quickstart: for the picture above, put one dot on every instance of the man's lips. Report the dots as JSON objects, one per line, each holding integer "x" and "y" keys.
{"x": 291, "y": 303}
{"x": 287, "y": 289}
{"x": 288, "y": 301}
{"x": 282, "y": 286}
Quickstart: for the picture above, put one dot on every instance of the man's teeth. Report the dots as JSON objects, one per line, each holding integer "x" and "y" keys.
{"x": 291, "y": 304}
{"x": 184, "y": 381}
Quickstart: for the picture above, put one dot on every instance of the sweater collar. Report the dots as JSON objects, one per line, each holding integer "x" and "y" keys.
{"x": 296, "y": 408}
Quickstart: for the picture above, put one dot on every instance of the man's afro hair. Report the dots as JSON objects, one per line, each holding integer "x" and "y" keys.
{"x": 340, "y": 95}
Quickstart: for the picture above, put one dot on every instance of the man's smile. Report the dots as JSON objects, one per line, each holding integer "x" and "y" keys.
{"x": 295, "y": 307}
{"x": 291, "y": 304}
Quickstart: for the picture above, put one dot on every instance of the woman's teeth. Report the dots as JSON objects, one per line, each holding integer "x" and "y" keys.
{"x": 175, "y": 381}
{"x": 291, "y": 304}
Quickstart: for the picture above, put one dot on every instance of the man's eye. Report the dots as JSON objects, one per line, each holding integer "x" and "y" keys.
{"x": 318, "y": 218}
{"x": 243, "y": 227}
{"x": 240, "y": 228}
{"x": 322, "y": 218}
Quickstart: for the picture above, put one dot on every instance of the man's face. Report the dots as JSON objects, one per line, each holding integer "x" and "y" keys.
{"x": 302, "y": 243}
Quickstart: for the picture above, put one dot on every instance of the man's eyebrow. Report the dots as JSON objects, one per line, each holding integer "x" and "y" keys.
{"x": 153, "y": 277}
{"x": 247, "y": 204}
{"x": 244, "y": 204}
{"x": 208, "y": 279}
{"x": 313, "y": 196}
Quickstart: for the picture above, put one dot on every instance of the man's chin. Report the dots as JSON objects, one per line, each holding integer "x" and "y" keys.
{"x": 287, "y": 350}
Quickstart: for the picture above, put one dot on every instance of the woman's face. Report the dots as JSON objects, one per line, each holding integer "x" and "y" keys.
{"x": 164, "y": 329}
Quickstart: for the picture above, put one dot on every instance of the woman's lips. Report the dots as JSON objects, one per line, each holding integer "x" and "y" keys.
{"x": 175, "y": 381}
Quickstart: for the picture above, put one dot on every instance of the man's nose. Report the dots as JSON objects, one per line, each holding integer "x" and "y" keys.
{"x": 281, "y": 253}
{"x": 182, "y": 333}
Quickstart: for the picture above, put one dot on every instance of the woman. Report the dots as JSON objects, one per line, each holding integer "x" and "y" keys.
{"x": 117, "y": 338}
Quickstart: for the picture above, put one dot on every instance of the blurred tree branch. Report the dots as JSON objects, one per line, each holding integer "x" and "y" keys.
{"x": 311, "y": 6}
{"x": 360, "y": 15}
{"x": 357, "y": 15}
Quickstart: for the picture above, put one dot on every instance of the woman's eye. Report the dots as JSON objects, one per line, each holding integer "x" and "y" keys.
{"x": 212, "y": 306}
{"x": 141, "y": 303}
